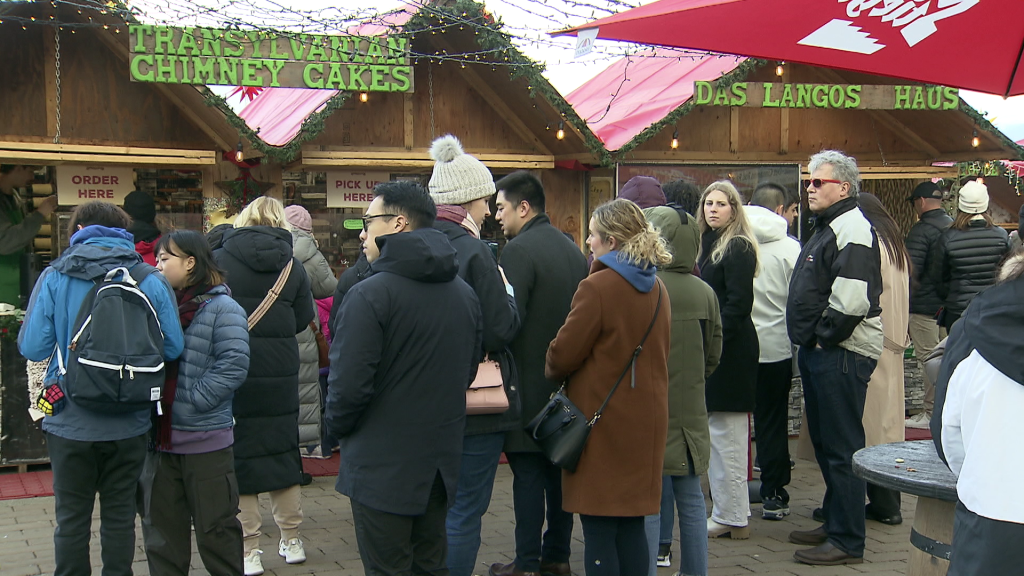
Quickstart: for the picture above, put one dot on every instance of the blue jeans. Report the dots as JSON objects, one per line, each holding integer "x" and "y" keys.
{"x": 835, "y": 384}
{"x": 693, "y": 527}
{"x": 480, "y": 455}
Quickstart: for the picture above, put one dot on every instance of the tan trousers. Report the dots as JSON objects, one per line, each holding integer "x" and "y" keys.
{"x": 925, "y": 333}
{"x": 287, "y": 510}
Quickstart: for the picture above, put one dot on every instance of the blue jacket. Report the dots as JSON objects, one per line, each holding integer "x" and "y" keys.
{"x": 213, "y": 365}
{"x": 50, "y": 319}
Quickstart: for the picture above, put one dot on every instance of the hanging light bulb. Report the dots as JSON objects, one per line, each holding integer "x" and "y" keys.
{"x": 675, "y": 139}
{"x": 780, "y": 69}
{"x": 975, "y": 141}
{"x": 561, "y": 131}
{"x": 363, "y": 96}
{"x": 239, "y": 157}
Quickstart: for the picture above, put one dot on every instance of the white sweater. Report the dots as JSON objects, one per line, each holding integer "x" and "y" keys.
{"x": 982, "y": 432}
{"x": 777, "y": 255}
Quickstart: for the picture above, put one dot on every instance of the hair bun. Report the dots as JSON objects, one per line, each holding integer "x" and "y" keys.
{"x": 446, "y": 149}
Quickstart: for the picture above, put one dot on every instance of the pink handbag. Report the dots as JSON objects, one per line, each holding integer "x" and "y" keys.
{"x": 486, "y": 395}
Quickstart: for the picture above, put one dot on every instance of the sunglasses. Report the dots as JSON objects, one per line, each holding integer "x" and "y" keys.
{"x": 368, "y": 217}
{"x": 817, "y": 182}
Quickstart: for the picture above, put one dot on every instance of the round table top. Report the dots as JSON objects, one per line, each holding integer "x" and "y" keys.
{"x": 920, "y": 472}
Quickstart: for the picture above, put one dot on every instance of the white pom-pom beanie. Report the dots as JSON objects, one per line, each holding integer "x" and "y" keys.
{"x": 458, "y": 177}
{"x": 973, "y": 198}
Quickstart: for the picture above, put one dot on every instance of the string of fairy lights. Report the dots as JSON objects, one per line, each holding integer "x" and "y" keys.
{"x": 281, "y": 18}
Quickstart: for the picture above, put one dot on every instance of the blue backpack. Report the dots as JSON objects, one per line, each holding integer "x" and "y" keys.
{"x": 115, "y": 362}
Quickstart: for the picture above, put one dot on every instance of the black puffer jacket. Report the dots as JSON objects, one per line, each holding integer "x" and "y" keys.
{"x": 479, "y": 269}
{"x": 920, "y": 241}
{"x": 266, "y": 407}
{"x": 965, "y": 261}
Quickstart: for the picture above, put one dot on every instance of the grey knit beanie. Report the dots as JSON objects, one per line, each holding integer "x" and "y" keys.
{"x": 458, "y": 177}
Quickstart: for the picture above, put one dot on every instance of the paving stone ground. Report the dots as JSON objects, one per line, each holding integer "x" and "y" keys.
{"x": 26, "y": 537}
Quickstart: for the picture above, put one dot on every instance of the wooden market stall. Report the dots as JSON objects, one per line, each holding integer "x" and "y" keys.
{"x": 704, "y": 117}
{"x": 467, "y": 80}
{"x": 68, "y": 107}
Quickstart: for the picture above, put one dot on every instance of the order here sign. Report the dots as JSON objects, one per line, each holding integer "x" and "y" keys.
{"x": 353, "y": 189}
{"x": 80, "y": 184}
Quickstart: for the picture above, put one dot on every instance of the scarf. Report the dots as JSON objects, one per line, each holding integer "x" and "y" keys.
{"x": 458, "y": 215}
{"x": 188, "y": 304}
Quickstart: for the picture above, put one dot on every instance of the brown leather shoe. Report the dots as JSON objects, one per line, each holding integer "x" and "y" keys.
{"x": 555, "y": 569}
{"x": 826, "y": 555}
{"x": 509, "y": 569}
{"x": 809, "y": 537}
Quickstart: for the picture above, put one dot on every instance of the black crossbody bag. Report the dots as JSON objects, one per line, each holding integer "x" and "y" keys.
{"x": 561, "y": 429}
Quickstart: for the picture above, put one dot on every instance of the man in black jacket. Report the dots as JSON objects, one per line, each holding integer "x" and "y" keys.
{"x": 833, "y": 315}
{"x": 925, "y": 302}
{"x": 407, "y": 346}
{"x": 545, "y": 268}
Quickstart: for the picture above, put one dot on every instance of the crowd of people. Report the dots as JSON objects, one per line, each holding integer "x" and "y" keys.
{"x": 695, "y": 309}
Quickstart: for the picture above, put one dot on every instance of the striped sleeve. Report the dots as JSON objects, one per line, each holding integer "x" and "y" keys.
{"x": 857, "y": 270}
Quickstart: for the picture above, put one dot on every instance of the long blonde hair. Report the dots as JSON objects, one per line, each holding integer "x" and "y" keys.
{"x": 736, "y": 227}
{"x": 263, "y": 211}
{"x": 638, "y": 240}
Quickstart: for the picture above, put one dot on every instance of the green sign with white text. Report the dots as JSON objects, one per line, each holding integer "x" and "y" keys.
{"x": 827, "y": 96}
{"x": 210, "y": 56}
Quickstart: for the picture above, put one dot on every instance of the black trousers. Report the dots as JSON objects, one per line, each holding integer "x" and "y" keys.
{"x": 397, "y": 545}
{"x": 537, "y": 482}
{"x": 615, "y": 546}
{"x": 884, "y": 501}
{"x": 80, "y": 471}
{"x": 771, "y": 427}
{"x": 177, "y": 491}
{"x": 835, "y": 384}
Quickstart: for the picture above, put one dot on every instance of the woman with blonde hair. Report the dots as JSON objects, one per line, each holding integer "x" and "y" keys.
{"x": 728, "y": 263}
{"x": 614, "y": 344}
{"x": 254, "y": 255}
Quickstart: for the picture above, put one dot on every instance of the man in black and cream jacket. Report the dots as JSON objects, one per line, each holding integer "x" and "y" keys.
{"x": 833, "y": 315}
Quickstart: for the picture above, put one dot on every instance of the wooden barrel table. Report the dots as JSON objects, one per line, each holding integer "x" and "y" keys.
{"x": 915, "y": 468}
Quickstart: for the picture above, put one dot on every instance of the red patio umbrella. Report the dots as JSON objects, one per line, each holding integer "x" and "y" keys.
{"x": 961, "y": 43}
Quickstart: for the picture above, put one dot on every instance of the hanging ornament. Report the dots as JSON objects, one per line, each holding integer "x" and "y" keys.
{"x": 245, "y": 188}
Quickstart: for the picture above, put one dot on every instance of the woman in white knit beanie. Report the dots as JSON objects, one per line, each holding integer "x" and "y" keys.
{"x": 461, "y": 187}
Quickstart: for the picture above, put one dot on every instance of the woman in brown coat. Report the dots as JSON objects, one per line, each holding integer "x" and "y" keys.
{"x": 618, "y": 479}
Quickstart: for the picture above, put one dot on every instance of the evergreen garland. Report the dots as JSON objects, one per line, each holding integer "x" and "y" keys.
{"x": 987, "y": 126}
{"x": 312, "y": 126}
{"x": 736, "y": 75}
{"x": 489, "y": 36}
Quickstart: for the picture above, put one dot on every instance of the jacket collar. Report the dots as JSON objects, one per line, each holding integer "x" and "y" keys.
{"x": 934, "y": 213}
{"x": 537, "y": 220}
{"x": 842, "y": 207}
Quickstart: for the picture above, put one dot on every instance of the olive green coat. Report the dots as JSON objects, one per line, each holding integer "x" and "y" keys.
{"x": 695, "y": 348}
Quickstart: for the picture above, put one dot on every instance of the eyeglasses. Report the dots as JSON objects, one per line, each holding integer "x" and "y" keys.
{"x": 368, "y": 217}
{"x": 817, "y": 182}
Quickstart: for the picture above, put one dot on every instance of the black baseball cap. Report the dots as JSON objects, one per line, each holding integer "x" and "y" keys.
{"x": 926, "y": 190}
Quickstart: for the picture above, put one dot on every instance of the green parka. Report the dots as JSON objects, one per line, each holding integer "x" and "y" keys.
{"x": 696, "y": 344}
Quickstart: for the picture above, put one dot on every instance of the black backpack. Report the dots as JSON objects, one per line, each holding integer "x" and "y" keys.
{"x": 115, "y": 358}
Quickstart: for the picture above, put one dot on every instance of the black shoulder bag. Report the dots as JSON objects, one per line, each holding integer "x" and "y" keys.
{"x": 561, "y": 429}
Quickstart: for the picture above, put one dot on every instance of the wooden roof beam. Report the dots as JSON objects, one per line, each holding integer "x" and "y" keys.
{"x": 118, "y": 44}
{"x": 884, "y": 117}
{"x": 478, "y": 84}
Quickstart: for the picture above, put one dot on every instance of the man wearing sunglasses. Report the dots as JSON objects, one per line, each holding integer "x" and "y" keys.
{"x": 833, "y": 315}
{"x": 407, "y": 344}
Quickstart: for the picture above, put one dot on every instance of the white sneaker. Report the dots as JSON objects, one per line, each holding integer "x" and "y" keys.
{"x": 292, "y": 551}
{"x": 253, "y": 564}
{"x": 921, "y": 420}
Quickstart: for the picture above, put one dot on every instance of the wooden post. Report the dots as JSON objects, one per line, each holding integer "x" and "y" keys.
{"x": 932, "y": 520}
{"x": 408, "y": 121}
{"x": 50, "y": 80}
{"x": 784, "y": 135}
{"x": 734, "y": 129}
